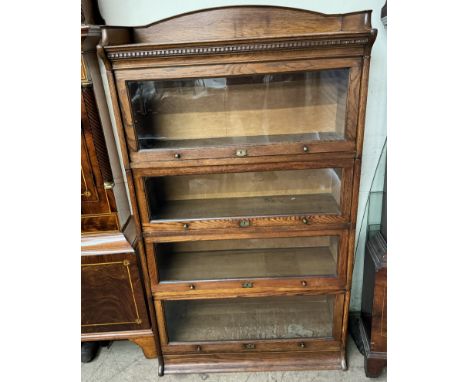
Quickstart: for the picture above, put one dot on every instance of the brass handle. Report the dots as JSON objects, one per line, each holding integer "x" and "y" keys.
{"x": 302, "y": 345}
{"x": 198, "y": 348}
{"x": 186, "y": 226}
{"x": 304, "y": 283}
{"x": 192, "y": 287}
{"x": 109, "y": 185}
{"x": 249, "y": 346}
{"x": 247, "y": 285}
{"x": 305, "y": 148}
{"x": 177, "y": 156}
{"x": 305, "y": 221}
{"x": 244, "y": 223}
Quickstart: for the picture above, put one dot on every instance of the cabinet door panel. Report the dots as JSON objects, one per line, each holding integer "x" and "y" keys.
{"x": 111, "y": 294}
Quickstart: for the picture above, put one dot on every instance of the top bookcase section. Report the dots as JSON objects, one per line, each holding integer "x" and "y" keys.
{"x": 256, "y": 82}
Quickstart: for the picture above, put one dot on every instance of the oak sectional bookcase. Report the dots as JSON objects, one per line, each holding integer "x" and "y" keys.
{"x": 242, "y": 128}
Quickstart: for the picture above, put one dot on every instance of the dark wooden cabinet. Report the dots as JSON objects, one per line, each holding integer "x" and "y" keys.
{"x": 98, "y": 208}
{"x": 114, "y": 299}
{"x": 242, "y": 129}
{"x": 369, "y": 326}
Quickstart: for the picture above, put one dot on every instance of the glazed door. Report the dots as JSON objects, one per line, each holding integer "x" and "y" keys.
{"x": 294, "y": 195}
{"x": 303, "y": 261}
{"x": 240, "y": 110}
{"x": 270, "y": 323}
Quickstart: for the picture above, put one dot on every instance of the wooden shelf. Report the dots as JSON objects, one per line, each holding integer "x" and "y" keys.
{"x": 156, "y": 143}
{"x": 249, "y": 318}
{"x": 246, "y": 263}
{"x": 251, "y": 206}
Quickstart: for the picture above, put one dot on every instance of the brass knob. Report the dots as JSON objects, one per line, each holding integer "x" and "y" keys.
{"x": 244, "y": 223}
{"x": 305, "y": 221}
{"x": 304, "y": 283}
{"x": 192, "y": 287}
{"x": 305, "y": 148}
{"x": 186, "y": 226}
{"x": 241, "y": 152}
{"x": 302, "y": 345}
{"x": 249, "y": 346}
{"x": 198, "y": 348}
{"x": 177, "y": 156}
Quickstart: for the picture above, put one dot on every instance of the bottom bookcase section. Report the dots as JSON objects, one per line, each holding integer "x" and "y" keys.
{"x": 297, "y": 323}
{"x": 249, "y": 318}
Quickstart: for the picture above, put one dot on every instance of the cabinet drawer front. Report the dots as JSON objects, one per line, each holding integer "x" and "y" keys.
{"x": 244, "y": 197}
{"x": 249, "y": 266}
{"x": 252, "y": 324}
{"x": 251, "y": 109}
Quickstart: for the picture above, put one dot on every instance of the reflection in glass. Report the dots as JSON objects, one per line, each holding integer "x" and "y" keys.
{"x": 247, "y": 258}
{"x": 249, "y": 318}
{"x": 266, "y": 193}
{"x": 256, "y": 109}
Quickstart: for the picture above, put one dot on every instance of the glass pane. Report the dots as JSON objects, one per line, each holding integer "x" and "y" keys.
{"x": 249, "y": 318}
{"x": 285, "y": 192}
{"x": 249, "y": 258}
{"x": 253, "y": 109}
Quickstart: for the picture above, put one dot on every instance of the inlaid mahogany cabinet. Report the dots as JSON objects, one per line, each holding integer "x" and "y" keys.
{"x": 114, "y": 303}
{"x": 242, "y": 128}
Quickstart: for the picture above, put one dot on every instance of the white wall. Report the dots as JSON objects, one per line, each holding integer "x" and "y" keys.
{"x": 142, "y": 12}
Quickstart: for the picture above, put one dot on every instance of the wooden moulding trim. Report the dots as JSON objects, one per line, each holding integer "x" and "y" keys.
{"x": 345, "y": 321}
{"x": 126, "y": 51}
{"x": 226, "y": 226}
{"x": 268, "y": 361}
{"x": 143, "y": 159}
{"x": 377, "y": 247}
{"x": 318, "y": 163}
{"x": 366, "y": 344}
{"x": 261, "y": 291}
{"x": 327, "y": 230}
{"x": 233, "y": 293}
{"x": 115, "y": 336}
{"x": 237, "y": 346}
{"x": 152, "y": 234}
{"x": 104, "y": 243}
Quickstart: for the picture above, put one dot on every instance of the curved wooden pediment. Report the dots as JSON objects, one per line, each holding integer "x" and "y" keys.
{"x": 235, "y": 31}
{"x": 248, "y": 22}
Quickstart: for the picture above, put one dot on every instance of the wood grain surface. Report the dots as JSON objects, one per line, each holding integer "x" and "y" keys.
{"x": 192, "y": 137}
